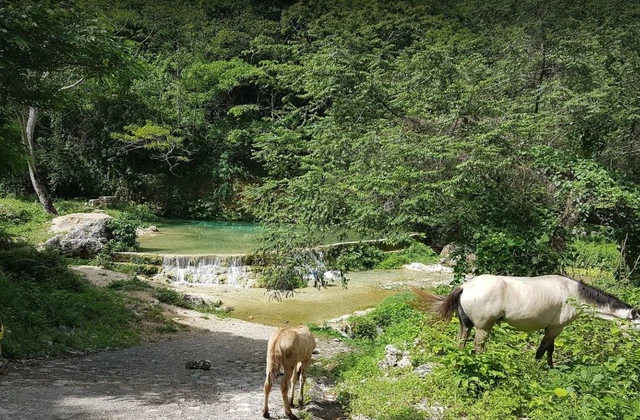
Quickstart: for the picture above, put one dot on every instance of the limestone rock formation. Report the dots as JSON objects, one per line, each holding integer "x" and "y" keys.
{"x": 80, "y": 234}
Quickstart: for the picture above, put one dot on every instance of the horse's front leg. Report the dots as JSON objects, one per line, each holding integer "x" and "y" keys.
{"x": 548, "y": 344}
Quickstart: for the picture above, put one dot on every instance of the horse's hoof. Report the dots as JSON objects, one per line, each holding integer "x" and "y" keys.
{"x": 266, "y": 415}
{"x": 292, "y": 416}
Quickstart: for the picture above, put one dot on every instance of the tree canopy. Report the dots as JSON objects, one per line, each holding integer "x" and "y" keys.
{"x": 509, "y": 128}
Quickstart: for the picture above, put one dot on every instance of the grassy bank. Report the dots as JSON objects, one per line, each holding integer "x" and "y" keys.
{"x": 25, "y": 220}
{"x": 48, "y": 310}
{"x": 596, "y": 373}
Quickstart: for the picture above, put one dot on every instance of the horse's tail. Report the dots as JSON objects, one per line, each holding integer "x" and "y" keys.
{"x": 442, "y": 306}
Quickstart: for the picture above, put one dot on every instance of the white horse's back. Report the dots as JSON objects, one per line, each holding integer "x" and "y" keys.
{"x": 526, "y": 303}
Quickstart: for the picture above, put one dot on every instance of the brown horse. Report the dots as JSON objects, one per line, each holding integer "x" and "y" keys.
{"x": 525, "y": 303}
{"x": 289, "y": 349}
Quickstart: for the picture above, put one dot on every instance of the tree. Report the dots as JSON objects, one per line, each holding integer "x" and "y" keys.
{"x": 451, "y": 121}
{"x": 47, "y": 50}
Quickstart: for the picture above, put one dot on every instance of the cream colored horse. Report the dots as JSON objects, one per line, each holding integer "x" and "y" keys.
{"x": 525, "y": 303}
{"x": 289, "y": 349}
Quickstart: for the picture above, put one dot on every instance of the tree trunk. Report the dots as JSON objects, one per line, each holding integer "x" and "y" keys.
{"x": 38, "y": 185}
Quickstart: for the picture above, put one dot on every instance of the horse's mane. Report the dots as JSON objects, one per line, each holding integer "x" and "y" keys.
{"x": 596, "y": 296}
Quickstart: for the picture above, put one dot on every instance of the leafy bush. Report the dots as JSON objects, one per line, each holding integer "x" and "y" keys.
{"x": 123, "y": 228}
{"x": 170, "y": 297}
{"x": 596, "y": 252}
{"x": 354, "y": 257}
{"x": 517, "y": 254}
{"x": 363, "y": 327}
{"x": 132, "y": 268}
{"x": 144, "y": 213}
{"x": 416, "y": 252}
{"x": 281, "y": 278}
{"x": 133, "y": 283}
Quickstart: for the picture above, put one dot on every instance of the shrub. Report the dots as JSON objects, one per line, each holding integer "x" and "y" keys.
{"x": 131, "y": 268}
{"x": 363, "y": 327}
{"x": 515, "y": 254}
{"x": 281, "y": 275}
{"x": 596, "y": 252}
{"x": 123, "y": 228}
{"x": 170, "y": 297}
{"x": 354, "y": 257}
{"x": 132, "y": 284}
{"x": 416, "y": 252}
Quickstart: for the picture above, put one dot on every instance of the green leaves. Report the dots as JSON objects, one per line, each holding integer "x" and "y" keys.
{"x": 561, "y": 392}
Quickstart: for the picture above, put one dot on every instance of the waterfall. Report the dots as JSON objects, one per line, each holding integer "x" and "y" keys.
{"x": 207, "y": 270}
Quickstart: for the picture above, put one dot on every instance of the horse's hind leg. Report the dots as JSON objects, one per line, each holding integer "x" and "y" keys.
{"x": 284, "y": 388}
{"x": 303, "y": 377}
{"x": 548, "y": 344}
{"x": 294, "y": 377}
{"x": 480, "y": 339}
{"x": 267, "y": 390}
{"x": 465, "y": 327}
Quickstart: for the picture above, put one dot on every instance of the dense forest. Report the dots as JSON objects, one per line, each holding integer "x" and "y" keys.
{"x": 511, "y": 128}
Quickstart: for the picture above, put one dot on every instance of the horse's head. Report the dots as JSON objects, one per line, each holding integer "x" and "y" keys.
{"x": 634, "y": 317}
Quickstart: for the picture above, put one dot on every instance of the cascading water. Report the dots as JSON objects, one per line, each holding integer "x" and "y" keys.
{"x": 207, "y": 270}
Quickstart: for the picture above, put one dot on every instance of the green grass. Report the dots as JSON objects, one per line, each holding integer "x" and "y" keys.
{"x": 595, "y": 375}
{"x": 132, "y": 284}
{"x": 48, "y": 310}
{"x": 24, "y": 218}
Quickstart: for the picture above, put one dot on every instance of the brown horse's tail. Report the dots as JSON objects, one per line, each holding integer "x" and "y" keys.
{"x": 443, "y": 307}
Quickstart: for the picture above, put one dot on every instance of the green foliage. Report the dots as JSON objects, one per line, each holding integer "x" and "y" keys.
{"x": 132, "y": 284}
{"x": 131, "y": 268}
{"x": 363, "y": 328}
{"x": 473, "y": 127}
{"x": 24, "y": 219}
{"x": 46, "y": 45}
{"x": 507, "y": 128}
{"x": 503, "y": 253}
{"x": 172, "y": 297}
{"x": 158, "y": 139}
{"x": 354, "y": 257}
{"x": 169, "y": 296}
{"x": 416, "y": 252}
{"x": 596, "y": 252}
{"x": 281, "y": 277}
{"x": 591, "y": 378}
{"x": 48, "y": 310}
{"x": 123, "y": 229}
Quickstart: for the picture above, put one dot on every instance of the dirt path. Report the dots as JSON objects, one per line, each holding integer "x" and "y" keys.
{"x": 150, "y": 381}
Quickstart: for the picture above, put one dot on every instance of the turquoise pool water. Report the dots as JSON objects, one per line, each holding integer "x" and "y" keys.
{"x": 195, "y": 237}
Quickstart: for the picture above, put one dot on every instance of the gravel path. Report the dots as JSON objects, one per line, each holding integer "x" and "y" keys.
{"x": 150, "y": 381}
